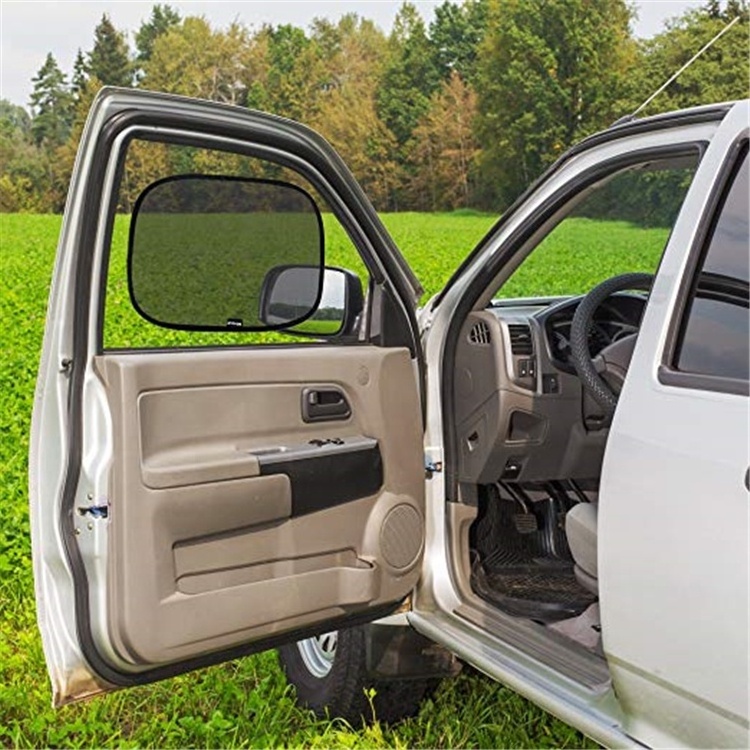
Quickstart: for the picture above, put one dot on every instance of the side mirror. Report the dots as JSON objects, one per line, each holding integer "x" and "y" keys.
{"x": 284, "y": 297}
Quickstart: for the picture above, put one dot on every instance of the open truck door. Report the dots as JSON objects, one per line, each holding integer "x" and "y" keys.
{"x": 190, "y": 505}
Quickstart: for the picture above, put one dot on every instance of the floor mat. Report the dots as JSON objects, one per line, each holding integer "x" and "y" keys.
{"x": 538, "y": 591}
{"x": 522, "y": 571}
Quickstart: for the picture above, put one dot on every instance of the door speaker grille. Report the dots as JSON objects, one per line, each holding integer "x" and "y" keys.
{"x": 401, "y": 536}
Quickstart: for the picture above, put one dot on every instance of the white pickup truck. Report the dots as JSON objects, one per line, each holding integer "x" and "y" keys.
{"x": 543, "y": 472}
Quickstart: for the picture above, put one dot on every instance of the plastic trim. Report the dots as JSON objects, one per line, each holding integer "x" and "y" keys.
{"x": 325, "y": 481}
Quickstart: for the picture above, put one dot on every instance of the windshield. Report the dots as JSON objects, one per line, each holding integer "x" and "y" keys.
{"x": 619, "y": 225}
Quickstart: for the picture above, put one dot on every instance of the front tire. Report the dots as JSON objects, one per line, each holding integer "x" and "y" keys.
{"x": 329, "y": 673}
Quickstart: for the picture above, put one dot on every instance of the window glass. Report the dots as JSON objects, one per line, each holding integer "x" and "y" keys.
{"x": 715, "y": 338}
{"x": 203, "y": 249}
{"x": 148, "y": 162}
{"x": 619, "y": 225}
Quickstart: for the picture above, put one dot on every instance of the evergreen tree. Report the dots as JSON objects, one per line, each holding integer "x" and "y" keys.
{"x": 80, "y": 75}
{"x": 455, "y": 35}
{"x": 410, "y": 79}
{"x": 162, "y": 19}
{"x": 736, "y": 8}
{"x": 51, "y": 105}
{"x": 61, "y": 161}
{"x": 713, "y": 8}
{"x": 109, "y": 60}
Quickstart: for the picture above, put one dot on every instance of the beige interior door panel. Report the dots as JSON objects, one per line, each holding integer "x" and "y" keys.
{"x": 227, "y": 524}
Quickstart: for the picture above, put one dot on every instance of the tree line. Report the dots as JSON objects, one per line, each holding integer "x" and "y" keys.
{"x": 462, "y": 112}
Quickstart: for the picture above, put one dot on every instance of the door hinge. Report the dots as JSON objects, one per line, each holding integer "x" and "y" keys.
{"x": 432, "y": 467}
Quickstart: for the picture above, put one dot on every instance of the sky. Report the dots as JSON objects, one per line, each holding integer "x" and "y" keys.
{"x": 29, "y": 29}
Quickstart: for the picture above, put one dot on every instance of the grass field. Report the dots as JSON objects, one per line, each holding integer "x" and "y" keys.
{"x": 244, "y": 703}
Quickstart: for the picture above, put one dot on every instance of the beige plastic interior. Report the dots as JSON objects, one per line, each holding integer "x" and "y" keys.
{"x": 203, "y": 552}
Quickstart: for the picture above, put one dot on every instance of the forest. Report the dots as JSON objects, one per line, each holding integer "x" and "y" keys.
{"x": 463, "y": 112}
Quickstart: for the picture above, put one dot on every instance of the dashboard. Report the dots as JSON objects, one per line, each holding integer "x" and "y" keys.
{"x": 521, "y": 411}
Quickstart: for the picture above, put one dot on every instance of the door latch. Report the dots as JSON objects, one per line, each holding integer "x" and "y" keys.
{"x": 95, "y": 511}
{"x": 432, "y": 467}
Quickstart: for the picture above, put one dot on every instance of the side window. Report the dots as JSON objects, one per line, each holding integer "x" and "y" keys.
{"x": 212, "y": 248}
{"x": 714, "y": 338}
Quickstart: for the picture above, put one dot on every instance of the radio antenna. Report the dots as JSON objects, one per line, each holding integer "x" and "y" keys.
{"x": 682, "y": 69}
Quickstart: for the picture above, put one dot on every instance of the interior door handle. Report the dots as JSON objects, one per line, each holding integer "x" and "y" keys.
{"x": 324, "y": 405}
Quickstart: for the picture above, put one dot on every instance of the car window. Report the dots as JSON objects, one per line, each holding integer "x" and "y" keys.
{"x": 619, "y": 225}
{"x": 714, "y": 338}
{"x": 160, "y": 279}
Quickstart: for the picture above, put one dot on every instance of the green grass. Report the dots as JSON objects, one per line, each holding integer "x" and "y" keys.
{"x": 580, "y": 253}
{"x": 246, "y": 702}
{"x": 319, "y": 327}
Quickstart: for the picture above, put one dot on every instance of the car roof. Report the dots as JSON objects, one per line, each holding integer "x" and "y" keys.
{"x": 674, "y": 117}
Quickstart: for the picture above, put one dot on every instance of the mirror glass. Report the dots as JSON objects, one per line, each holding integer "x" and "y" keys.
{"x": 283, "y": 297}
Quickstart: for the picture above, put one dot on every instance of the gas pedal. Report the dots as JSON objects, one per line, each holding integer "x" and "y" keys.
{"x": 525, "y": 523}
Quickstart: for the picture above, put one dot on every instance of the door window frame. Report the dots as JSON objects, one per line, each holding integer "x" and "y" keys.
{"x": 516, "y": 242}
{"x": 667, "y": 373}
{"x": 108, "y": 187}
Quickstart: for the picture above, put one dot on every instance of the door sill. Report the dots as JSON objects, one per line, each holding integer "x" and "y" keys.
{"x": 526, "y": 638}
{"x": 555, "y": 651}
{"x": 510, "y": 651}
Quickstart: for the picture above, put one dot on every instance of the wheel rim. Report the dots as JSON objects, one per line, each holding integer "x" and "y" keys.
{"x": 319, "y": 652}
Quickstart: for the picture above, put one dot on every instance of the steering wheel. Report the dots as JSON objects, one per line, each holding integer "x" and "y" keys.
{"x": 614, "y": 359}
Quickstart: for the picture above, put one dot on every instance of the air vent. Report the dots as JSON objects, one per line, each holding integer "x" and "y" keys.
{"x": 480, "y": 333}
{"x": 520, "y": 340}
